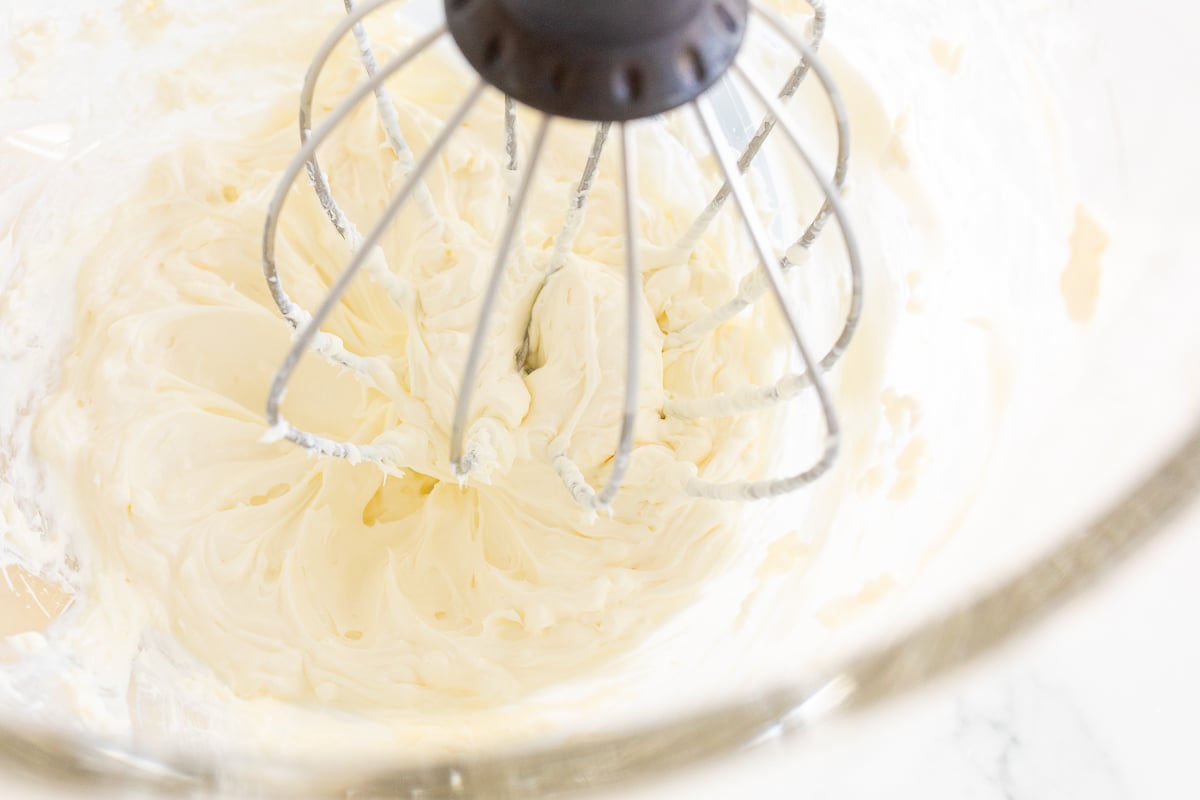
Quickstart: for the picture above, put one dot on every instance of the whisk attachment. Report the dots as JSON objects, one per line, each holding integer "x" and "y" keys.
{"x": 610, "y": 63}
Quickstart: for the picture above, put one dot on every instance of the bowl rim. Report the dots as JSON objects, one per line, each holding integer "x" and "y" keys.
{"x": 915, "y": 658}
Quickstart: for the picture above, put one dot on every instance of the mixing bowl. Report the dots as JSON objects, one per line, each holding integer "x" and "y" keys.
{"x": 1085, "y": 380}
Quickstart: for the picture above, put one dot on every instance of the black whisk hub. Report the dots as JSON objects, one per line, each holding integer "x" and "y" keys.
{"x": 600, "y": 60}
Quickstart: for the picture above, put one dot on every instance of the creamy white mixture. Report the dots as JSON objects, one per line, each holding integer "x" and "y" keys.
{"x": 230, "y": 588}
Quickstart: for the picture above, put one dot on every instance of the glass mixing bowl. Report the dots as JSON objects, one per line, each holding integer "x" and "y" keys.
{"x": 1106, "y": 449}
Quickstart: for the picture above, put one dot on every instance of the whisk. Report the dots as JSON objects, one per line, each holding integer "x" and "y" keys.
{"x": 611, "y": 62}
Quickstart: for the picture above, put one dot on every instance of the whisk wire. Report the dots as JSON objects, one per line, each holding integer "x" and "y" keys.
{"x": 396, "y": 287}
{"x": 511, "y": 145}
{"x": 568, "y": 470}
{"x": 352, "y": 22}
{"x": 703, "y": 222}
{"x": 577, "y": 207}
{"x": 293, "y": 313}
{"x": 389, "y": 119}
{"x": 754, "y": 490}
{"x": 754, "y": 286}
{"x": 564, "y": 243}
{"x": 308, "y": 333}
{"x": 758, "y": 398}
{"x": 463, "y": 464}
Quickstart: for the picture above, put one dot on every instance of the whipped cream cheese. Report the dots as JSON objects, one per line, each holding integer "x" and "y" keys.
{"x": 226, "y": 587}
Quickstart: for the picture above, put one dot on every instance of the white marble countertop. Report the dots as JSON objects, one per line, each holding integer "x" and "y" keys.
{"x": 1100, "y": 701}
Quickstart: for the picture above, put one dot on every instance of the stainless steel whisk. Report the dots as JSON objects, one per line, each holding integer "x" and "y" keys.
{"x": 610, "y": 62}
